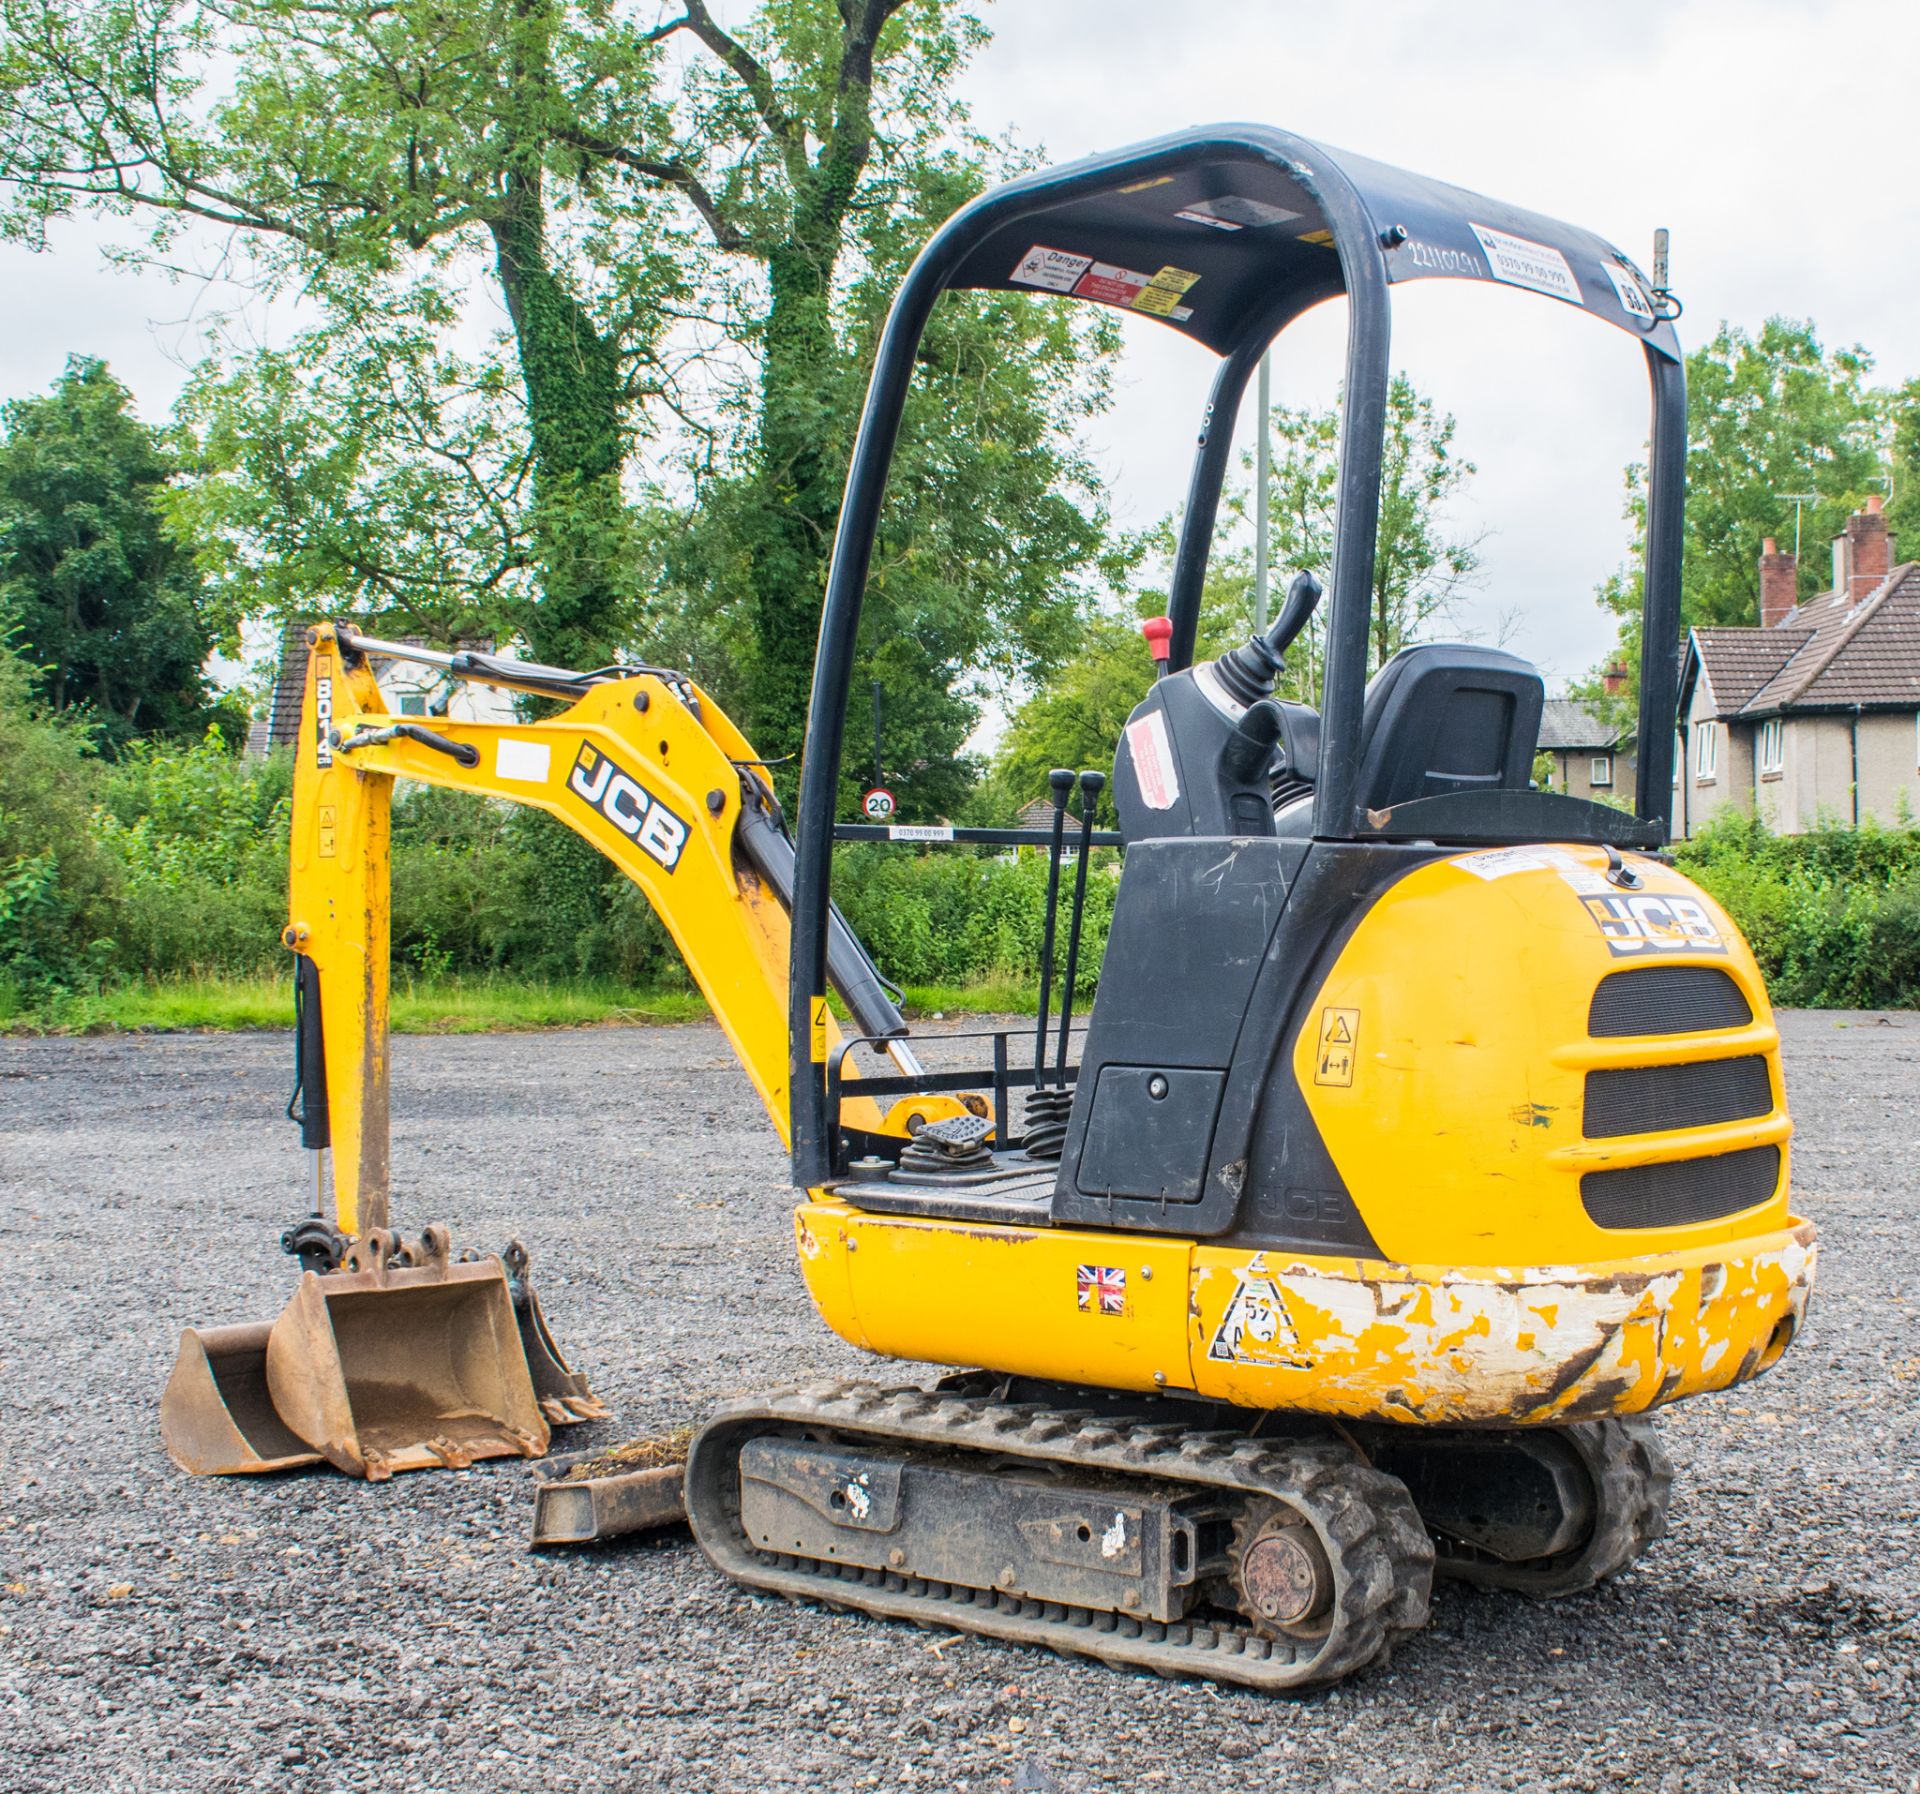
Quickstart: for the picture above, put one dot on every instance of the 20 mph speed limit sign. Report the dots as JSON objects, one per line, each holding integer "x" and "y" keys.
{"x": 878, "y": 804}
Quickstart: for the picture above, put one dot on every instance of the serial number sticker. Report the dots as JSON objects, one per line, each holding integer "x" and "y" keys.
{"x": 1100, "y": 1289}
{"x": 1235, "y": 211}
{"x": 1628, "y": 290}
{"x": 1256, "y": 1328}
{"x": 1635, "y": 924}
{"x": 1520, "y": 262}
{"x": 920, "y": 831}
{"x": 1333, "y": 1056}
{"x": 1053, "y": 269}
{"x": 524, "y": 761}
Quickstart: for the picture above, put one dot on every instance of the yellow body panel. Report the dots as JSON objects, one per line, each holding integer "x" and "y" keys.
{"x": 1357, "y": 1338}
{"x": 1456, "y": 1121}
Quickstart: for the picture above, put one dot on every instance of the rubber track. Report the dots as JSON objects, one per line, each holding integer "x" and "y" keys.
{"x": 1632, "y": 1479}
{"x": 1382, "y": 1557}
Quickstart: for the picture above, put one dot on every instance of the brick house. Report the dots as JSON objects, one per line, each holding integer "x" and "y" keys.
{"x": 1586, "y": 749}
{"x": 1814, "y": 717}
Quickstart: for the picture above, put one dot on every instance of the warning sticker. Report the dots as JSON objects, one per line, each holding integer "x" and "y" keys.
{"x": 329, "y": 833}
{"x": 1639, "y": 923}
{"x": 1256, "y": 1328}
{"x": 1321, "y": 239}
{"x": 1053, "y": 269}
{"x": 1158, "y": 294}
{"x": 1100, "y": 1289}
{"x": 1234, "y": 211}
{"x": 819, "y": 1030}
{"x": 1539, "y": 267}
{"x": 1152, "y": 755}
{"x": 1333, "y": 1057}
{"x": 1628, "y": 290}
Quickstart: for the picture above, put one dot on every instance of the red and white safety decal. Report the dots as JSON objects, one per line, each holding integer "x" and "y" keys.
{"x": 1153, "y": 766}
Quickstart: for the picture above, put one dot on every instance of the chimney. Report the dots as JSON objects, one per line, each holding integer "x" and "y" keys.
{"x": 1614, "y": 680}
{"x": 1872, "y": 555}
{"x": 1862, "y": 553}
{"x": 1779, "y": 584}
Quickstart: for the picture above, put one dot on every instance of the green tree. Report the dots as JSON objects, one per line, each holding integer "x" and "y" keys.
{"x": 691, "y": 231}
{"x": 1420, "y": 570}
{"x": 375, "y": 156}
{"x": 1767, "y": 415}
{"x": 100, "y": 600}
{"x": 827, "y": 145}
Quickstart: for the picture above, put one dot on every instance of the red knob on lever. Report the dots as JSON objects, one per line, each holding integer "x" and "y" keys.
{"x": 1159, "y": 634}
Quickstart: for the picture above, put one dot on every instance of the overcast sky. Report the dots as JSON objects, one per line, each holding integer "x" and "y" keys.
{"x": 1772, "y": 138}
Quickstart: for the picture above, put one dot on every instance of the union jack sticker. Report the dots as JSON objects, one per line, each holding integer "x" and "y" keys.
{"x": 1102, "y": 1289}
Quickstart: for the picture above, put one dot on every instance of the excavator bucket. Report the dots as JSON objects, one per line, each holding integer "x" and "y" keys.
{"x": 216, "y": 1414}
{"x": 405, "y": 1360}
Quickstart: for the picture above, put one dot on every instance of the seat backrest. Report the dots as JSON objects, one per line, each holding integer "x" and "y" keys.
{"x": 1446, "y": 717}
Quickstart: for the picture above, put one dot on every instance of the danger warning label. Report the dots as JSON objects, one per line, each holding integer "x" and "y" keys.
{"x": 1333, "y": 1057}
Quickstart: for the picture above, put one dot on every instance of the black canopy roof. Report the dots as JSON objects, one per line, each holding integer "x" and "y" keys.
{"x": 1216, "y": 230}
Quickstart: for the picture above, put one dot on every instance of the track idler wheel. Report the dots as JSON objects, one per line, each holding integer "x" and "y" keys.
{"x": 1282, "y": 1579}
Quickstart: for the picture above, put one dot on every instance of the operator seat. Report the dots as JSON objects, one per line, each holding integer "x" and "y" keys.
{"x": 1440, "y": 718}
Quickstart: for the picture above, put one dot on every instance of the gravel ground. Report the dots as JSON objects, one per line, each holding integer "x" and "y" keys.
{"x": 309, "y": 1632}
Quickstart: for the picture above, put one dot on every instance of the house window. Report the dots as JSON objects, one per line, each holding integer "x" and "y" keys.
{"x": 1602, "y": 771}
{"x": 1706, "y": 751}
{"x": 1773, "y": 747}
{"x": 413, "y": 703}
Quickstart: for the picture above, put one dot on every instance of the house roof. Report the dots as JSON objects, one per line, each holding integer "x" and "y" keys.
{"x": 1827, "y": 655}
{"x": 1570, "y": 723}
{"x": 289, "y": 687}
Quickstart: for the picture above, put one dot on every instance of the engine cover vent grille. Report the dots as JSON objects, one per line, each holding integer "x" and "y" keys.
{"x": 1683, "y": 1191}
{"x": 1648, "y": 1099}
{"x": 1667, "y": 1000}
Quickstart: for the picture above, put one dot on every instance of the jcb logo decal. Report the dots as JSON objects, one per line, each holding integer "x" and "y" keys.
{"x": 1649, "y": 924}
{"x": 628, "y": 805}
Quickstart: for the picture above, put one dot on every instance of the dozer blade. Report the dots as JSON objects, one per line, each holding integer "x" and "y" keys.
{"x": 564, "y": 1395}
{"x": 404, "y": 1360}
{"x": 217, "y": 1416}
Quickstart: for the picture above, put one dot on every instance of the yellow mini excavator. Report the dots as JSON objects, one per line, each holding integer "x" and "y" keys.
{"x": 1426, "y": 1133}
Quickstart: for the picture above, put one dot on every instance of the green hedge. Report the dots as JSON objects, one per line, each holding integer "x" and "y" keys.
{"x": 172, "y": 863}
{"x": 1833, "y": 916}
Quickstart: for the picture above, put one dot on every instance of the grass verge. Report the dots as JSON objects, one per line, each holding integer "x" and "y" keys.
{"x": 419, "y": 1006}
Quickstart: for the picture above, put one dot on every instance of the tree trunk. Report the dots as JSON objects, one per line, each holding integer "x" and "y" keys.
{"x": 801, "y": 479}
{"x": 800, "y": 498}
{"x": 577, "y": 416}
